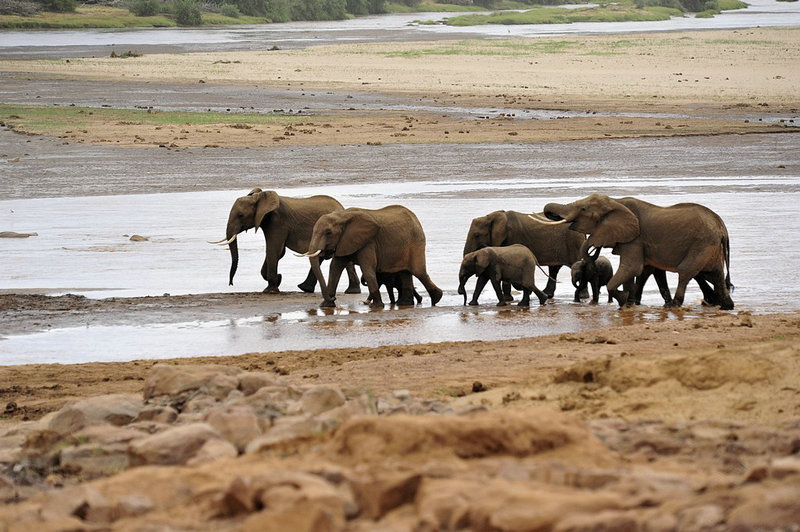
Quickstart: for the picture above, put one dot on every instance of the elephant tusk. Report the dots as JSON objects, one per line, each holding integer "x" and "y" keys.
{"x": 545, "y": 221}
{"x": 308, "y": 254}
{"x": 226, "y": 242}
{"x": 217, "y": 242}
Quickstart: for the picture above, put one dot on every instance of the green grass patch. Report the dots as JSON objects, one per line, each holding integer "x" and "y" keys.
{"x": 490, "y": 48}
{"x": 42, "y": 119}
{"x": 93, "y": 16}
{"x": 542, "y": 15}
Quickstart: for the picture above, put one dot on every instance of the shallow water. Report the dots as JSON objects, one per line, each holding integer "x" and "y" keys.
{"x": 752, "y": 181}
{"x": 400, "y": 27}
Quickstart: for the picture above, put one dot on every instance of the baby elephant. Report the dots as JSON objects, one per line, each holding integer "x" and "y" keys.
{"x": 595, "y": 272}
{"x": 514, "y": 264}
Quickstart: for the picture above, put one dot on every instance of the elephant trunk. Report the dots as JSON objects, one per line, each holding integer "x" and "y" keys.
{"x": 461, "y": 289}
{"x": 234, "y": 247}
{"x": 315, "y": 267}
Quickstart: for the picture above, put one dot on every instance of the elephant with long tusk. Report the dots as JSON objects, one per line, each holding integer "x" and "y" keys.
{"x": 286, "y": 223}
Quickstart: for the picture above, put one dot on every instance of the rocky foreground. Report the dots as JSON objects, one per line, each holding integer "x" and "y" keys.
{"x": 216, "y": 447}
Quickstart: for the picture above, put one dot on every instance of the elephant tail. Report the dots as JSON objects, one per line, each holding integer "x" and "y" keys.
{"x": 544, "y": 272}
{"x": 726, "y": 249}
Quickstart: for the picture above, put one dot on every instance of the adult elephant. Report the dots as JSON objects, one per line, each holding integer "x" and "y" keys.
{"x": 552, "y": 245}
{"x": 686, "y": 238}
{"x": 286, "y": 223}
{"x": 381, "y": 241}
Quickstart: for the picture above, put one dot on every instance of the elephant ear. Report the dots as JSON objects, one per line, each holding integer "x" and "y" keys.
{"x": 266, "y": 203}
{"x": 254, "y": 191}
{"x": 358, "y": 230}
{"x": 617, "y": 226}
{"x": 499, "y": 227}
{"x": 482, "y": 261}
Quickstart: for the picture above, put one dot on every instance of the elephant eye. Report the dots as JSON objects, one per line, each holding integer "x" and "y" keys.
{"x": 328, "y": 232}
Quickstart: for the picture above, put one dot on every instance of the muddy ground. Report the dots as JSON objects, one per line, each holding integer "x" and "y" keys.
{"x": 689, "y": 423}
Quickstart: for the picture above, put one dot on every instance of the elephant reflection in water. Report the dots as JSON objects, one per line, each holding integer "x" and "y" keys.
{"x": 286, "y": 223}
{"x": 686, "y": 238}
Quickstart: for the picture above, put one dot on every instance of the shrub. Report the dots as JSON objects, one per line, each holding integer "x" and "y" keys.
{"x": 187, "y": 13}
{"x": 60, "y": 6}
{"x": 144, "y": 8}
{"x": 230, "y": 10}
{"x": 18, "y": 7}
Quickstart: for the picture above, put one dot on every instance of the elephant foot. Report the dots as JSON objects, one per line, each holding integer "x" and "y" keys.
{"x": 376, "y": 304}
{"x": 473, "y": 303}
{"x": 621, "y": 298}
{"x": 328, "y": 303}
{"x": 726, "y": 305}
{"x": 524, "y": 303}
{"x": 405, "y": 302}
{"x": 307, "y": 287}
{"x": 502, "y": 304}
{"x": 272, "y": 289}
{"x": 353, "y": 289}
{"x": 436, "y": 296}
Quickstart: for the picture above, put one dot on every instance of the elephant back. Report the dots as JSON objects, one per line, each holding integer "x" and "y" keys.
{"x": 552, "y": 245}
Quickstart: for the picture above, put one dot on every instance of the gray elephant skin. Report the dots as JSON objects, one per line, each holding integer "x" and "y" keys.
{"x": 552, "y": 245}
{"x": 686, "y": 238}
{"x": 286, "y": 223}
{"x": 392, "y": 282}
{"x": 514, "y": 264}
{"x": 591, "y": 272}
{"x": 381, "y": 241}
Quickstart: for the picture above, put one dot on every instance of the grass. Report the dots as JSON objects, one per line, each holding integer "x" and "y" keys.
{"x": 41, "y": 119}
{"x": 92, "y": 16}
{"x": 542, "y": 15}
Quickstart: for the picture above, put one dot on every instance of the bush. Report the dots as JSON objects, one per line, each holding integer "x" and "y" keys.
{"x": 229, "y": 10}
{"x": 18, "y": 7}
{"x": 187, "y": 13}
{"x": 60, "y": 6}
{"x": 144, "y": 8}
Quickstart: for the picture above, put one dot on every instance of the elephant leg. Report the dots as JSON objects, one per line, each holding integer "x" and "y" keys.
{"x": 353, "y": 287}
{"x": 720, "y": 294}
{"x": 709, "y": 292}
{"x": 498, "y": 289}
{"x": 526, "y": 298}
{"x": 310, "y": 283}
{"x": 337, "y": 265}
{"x": 269, "y": 270}
{"x": 479, "y": 284}
{"x": 550, "y": 287}
{"x": 416, "y": 294}
{"x": 434, "y": 291}
{"x": 578, "y": 289}
{"x": 372, "y": 285}
{"x": 506, "y": 286}
{"x": 595, "y": 290}
{"x": 406, "y": 290}
{"x": 624, "y": 276}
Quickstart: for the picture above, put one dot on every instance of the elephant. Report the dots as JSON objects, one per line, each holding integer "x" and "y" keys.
{"x": 594, "y": 272}
{"x": 709, "y": 295}
{"x": 392, "y": 281}
{"x": 552, "y": 245}
{"x": 514, "y": 264}
{"x": 380, "y": 241}
{"x": 285, "y": 222}
{"x": 686, "y": 238}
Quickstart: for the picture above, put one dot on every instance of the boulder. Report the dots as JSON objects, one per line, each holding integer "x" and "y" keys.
{"x": 237, "y": 424}
{"x": 320, "y": 399}
{"x": 174, "y": 381}
{"x": 116, "y": 409}
{"x": 174, "y": 446}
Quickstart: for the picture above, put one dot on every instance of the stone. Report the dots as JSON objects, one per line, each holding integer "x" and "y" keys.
{"x": 116, "y": 409}
{"x": 287, "y": 430}
{"x": 251, "y": 382}
{"x": 381, "y": 494}
{"x": 157, "y": 413}
{"x": 321, "y": 398}
{"x": 213, "y": 450}
{"x": 174, "y": 446}
{"x": 95, "y": 459}
{"x": 167, "y": 380}
{"x": 237, "y": 424}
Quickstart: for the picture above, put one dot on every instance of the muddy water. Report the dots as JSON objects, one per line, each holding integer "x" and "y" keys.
{"x": 83, "y": 243}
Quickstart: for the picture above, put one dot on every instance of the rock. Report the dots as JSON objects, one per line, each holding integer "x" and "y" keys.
{"x": 381, "y": 494}
{"x": 251, "y": 382}
{"x": 321, "y": 398}
{"x": 167, "y": 380}
{"x": 288, "y": 430}
{"x": 158, "y": 414}
{"x": 174, "y": 446}
{"x": 766, "y": 506}
{"x": 237, "y": 424}
{"x": 117, "y": 409}
{"x": 139, "y": 238}
{"x": 704, "y": 517}
{"x": 12, "y": 234}
{"x": 213, "y": 450}
{"x": 95, "y": 459}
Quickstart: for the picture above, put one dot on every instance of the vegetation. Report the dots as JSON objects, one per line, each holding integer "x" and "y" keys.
{"x": 29, "y": 14}
{"x": 42, "y": 119}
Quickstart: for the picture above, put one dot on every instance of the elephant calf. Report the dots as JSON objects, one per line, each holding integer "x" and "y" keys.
{"x": 392, "y": 282}
{"x": 594, "y": 272}
{"x": 514, "y": 264}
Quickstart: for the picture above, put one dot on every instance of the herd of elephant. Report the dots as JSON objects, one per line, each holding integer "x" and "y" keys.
{"x": 503, "y": 247}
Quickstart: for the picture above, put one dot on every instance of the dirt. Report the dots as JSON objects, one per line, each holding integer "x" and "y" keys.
{"x": 686, "y": 423}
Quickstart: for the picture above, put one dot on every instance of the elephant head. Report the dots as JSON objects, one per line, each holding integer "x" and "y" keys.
{"x": 474, "y": 263}
{"x": 606, "y": 221}
{"x": 489, "y": 230}
{"x": 248, "y": 212}
{"x": 341, "y": 234}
